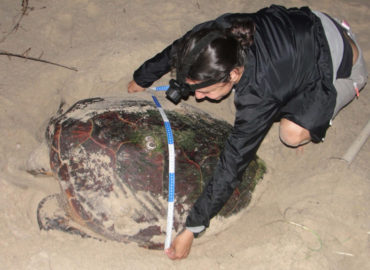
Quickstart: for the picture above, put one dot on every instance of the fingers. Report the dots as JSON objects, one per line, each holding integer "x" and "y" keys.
{"x": 171, "y": 253}
{"x": 133, "y": 87}
{"x": 180, "y": 247}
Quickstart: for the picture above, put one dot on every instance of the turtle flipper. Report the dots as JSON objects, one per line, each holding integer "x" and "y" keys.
{"x": 50, "y": 216}
{"x": 143, "y": 238}
{"x": 40, "y": 172}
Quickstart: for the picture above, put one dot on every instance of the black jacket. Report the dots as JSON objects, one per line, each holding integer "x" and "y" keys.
{"x": 288, "y": 74}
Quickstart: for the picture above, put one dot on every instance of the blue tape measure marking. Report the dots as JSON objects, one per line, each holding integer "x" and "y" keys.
{"x": 157, "y": 102}
{"x": 161, "y": 88}
{"x": 168, "y": 132}
{"x": 171, "y": 189}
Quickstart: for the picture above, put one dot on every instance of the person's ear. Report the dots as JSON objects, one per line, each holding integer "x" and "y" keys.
{"x": 236, "y": 73}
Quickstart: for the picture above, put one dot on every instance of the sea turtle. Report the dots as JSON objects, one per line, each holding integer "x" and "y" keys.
{"x": 110, "y": 157}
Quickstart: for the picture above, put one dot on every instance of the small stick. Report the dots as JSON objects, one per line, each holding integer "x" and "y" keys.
{"x": 16, "y": 26}
{"x": 36, "y": 59}
{"x": 344, "y": 253}
{"x": 353, "y": 150}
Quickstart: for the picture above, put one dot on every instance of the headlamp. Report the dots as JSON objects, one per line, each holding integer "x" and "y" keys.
{"x": 178, "y": 90}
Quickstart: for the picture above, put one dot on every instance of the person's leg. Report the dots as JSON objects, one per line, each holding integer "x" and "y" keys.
{"x": 292, "y": 134}
{"x": 346, "y": 88}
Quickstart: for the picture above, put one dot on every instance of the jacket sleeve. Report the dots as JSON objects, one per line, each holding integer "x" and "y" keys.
{"x": 154, "y": 68}
{"x": 157, "y": 66}
{"x": 254, "y": 118}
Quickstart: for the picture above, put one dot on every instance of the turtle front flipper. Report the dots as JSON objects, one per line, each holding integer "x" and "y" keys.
{"x": 50, "y": 216}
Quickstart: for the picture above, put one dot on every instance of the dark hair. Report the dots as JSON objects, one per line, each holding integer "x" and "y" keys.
{"x": 218, "y": 58}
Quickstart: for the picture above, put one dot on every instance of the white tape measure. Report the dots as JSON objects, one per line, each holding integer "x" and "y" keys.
{"x": 171, "y": 168}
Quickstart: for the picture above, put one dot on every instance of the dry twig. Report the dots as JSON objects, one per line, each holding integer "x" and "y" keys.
{"x": 25, "y": 56}
{"x": 25, "y": 8}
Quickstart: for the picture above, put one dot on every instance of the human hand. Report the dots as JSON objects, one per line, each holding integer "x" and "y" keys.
{"x": 133, "y": 87}
{"x": 180, "y": 247}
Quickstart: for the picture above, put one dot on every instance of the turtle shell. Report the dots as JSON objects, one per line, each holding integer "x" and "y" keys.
{"x": 110, "y": 157}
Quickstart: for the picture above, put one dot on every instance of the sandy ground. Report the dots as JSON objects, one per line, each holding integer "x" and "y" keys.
{"x": 311, "y": 211}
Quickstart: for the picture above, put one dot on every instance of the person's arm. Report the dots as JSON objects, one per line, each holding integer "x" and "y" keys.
{"x": 254, "y": 117}
{"x": 157, "y": 66}
{"x": 154, "y": 68}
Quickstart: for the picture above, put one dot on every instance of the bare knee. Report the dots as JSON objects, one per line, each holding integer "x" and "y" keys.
{"x": 292, "y": 134}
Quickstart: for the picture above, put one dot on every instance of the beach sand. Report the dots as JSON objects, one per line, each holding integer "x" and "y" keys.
{"x": 311, "y": 211}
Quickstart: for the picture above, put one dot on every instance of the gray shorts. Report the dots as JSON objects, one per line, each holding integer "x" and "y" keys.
{"x": 346, "y": 88}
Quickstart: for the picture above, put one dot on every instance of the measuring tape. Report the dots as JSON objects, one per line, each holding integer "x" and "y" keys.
{"x": 171, "y": 167}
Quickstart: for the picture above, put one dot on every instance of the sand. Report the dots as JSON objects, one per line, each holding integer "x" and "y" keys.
{"x": 311, "y": 211}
